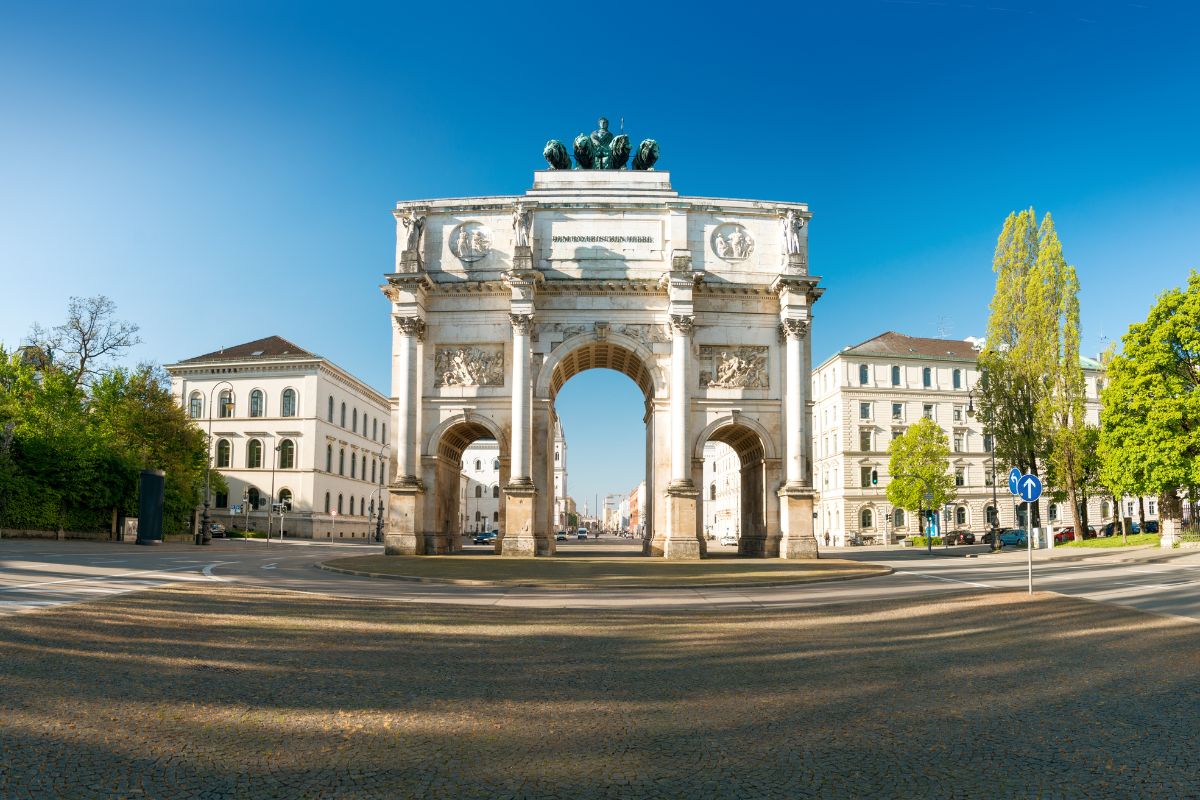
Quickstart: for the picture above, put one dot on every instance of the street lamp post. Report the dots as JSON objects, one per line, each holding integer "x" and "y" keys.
{"x": 995, "y": 524}
{"x": 203, "y": 536}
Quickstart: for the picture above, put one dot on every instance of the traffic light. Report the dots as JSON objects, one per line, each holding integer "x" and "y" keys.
{"x": 874, "y": 477}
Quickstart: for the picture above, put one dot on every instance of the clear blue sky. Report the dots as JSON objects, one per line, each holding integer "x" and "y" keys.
{"x": 225, "y": 171}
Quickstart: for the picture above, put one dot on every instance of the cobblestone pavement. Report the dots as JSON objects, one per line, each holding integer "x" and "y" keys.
{"x": 212, "y": 691}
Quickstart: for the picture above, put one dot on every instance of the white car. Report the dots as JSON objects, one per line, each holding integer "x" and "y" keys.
{"x": 729, "y": 540}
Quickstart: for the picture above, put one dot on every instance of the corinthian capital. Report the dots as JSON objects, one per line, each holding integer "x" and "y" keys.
{"x": 521, "y": 323}
{"x": 411, "y": 326}
{"x": 683, "y": 324}
{"x": 793, "y": 328}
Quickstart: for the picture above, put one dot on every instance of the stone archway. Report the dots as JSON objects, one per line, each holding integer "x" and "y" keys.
{"x": 705, "y": 304}
{"x": 759, "y": 467}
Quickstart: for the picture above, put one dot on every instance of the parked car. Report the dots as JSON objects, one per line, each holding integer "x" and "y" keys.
{"x": 216, "y": 530}
{"x": 561, "y": 536}
{"x": 728, "y": 540}
{"x": 1013, "y": 536}
{"x": 958, "y": 537}
{"x": 987, "y": 537}
{"x": 581, "y": 533}
{"x": 485, "y": 538}
{"x": 1064, "y": 535}
{"x": 1151, "y": 526}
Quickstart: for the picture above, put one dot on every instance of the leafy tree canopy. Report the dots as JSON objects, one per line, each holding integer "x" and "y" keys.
{"x": 920, "y": 462}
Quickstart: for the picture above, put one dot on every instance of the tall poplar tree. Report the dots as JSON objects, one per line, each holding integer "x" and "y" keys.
{"x": 1031, "y": 382}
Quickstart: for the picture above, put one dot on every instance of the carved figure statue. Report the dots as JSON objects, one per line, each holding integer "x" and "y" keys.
{"x": 647, "y": 154}
{"x": 414, "y": 224}
{"x": 792, "y": 225}
{"x": 732, "y": 243}
{"x": 556, "y": 155}
{"x": 522, "y": 220}
{"x": 601, "y": 150}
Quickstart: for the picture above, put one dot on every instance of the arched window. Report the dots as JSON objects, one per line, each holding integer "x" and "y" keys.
{"x": 256, "y": 403}
{"x": 479, "y": 491}
{"x": 1053, "y": 512}
{"x": 287, "y": 454}
{"x": 327, "y": 502}
{"x": 253, "y": 497}
{"x": 196, "y": 405}
{"x": 958, "y": 379}
{"x": 225, "y": 401}
{"x": 864, "y": 374}
{"x": 478, "y": 465}
{"x": 1105, "y": 510}
{"x": 285, "y": 499}
{"x": 866, "y": 518}
{"x": 362, "y": 506}
{"x": 375, "y": 429}
{"x": 990, "y": 513}
{"x": 331, "y": 408}
{"x": 343, "y": 415}
{"x": 496, "y": 465}
{"x": 354, "y": 426}
{"x": 495, "y": 516}
{"x": 341, "y": 461}
{"x": 496, "y": 491}
{"x": 329, "y": 458}
{"x": 224, "y": 453}
{"x": 556, "y": 455}
{"x": 354, "y": 465}
{"x": 895, "y": 376}
{"x": 898, "y": 518}
{"x": 477, "y": 516}
{"x": 287, "y": 403}
{"x": 339, "y": 504}
{"x": 372, "y": 470}
{"x": 383, "y": 436}
{"x": 254, "y": 454}
{"x": 960, "y": 515}
{"x": 712, "y": 491}
{"x": 927, "y": 377}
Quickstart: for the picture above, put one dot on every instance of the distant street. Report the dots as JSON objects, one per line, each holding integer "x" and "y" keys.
{"x": 39, "y": 574}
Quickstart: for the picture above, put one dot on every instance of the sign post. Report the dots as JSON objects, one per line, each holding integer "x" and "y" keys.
{"x": 1029, "y": 489}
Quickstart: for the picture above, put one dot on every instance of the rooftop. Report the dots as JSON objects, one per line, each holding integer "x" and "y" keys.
{"x": 268, "y": 348}
{"x": 897, "y": 344}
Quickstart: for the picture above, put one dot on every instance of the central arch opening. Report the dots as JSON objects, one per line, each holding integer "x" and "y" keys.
{"x": 736, "y": 509}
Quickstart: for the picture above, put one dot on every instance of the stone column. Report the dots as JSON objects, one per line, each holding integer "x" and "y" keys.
{"x": 404, "y": 535}
{"x": 796, "y": 495}
{"x": 682, "y": 541}
{"x": 520, "y": 492}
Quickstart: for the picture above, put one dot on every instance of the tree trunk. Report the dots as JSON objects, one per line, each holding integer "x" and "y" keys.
{"x": 1142, "y": 513}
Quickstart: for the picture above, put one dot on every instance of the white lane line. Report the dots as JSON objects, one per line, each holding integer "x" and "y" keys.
{"x": 97, "y": 578}
{"x": 269, "y": 566}
{"x": 942, "y": 578}
{"x": 208, "y": 571}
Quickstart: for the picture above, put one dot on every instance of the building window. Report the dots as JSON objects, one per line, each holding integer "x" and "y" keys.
{"x": 958, "y": 413}
{"x": 224, "y": 453}
{"x": 866, "y": 518}
{"x": 254, "y": 453}
{"x": 383, "y": 435}
{"x": 362, "y": 505}
{"x": 478, "y": 516}
{"x": 864, "y": 410}
{"x": 225, "y": 400}
{"x": 960, "y": 515}
{"x": 256, "y": 403}
{"x": 988, "y": 478}
{"x": 331, "y": 408}
{"x": 495, "y": 516}
{"x": 864, "y": 439}
{"x": 864, "y": 374}
{"x": 927, "y": 377}
{"x": 288, "y": 403}
{"x": 864, "y": 474}
{"x": 343, "y": 423}
{"x": 897, "y": 433}
{"x": 958, "y": 379}
{"x": 222, "y": 500}
{"x": 375, "y": 429}
{"x": 287, "y": 454}
{"x": 478, "y": 465}
{"x": 329, "y": 458}
{"x": 195, "y": 405}
{"x": 988, "y": 443}
{"x": 990, "y": 513}
{"x": 898, "y": 412}
{"x": 898, "y": 518}
{"x": 712, "y": 491}
{"x": 927, "y": 410}
{"x": 895, "y": 376}
{"x": 354, "y": 423}
{"x": 495, "y": 465}
{"x": 1129, "y": 509}
{"x": 479, "y": 491}
{"x": 1150, "y": 507}
{"x": 253, "y": 497}
{"x": 556, "y": 455}
{"x": 339, "y": 504}
{"x": 1053, "y": 512}
{"x": 960, "y": 476}
{"x": 341, "y": 461}
{"x": 285, "y": 499}
{"x": 1105, "y": 510}
{"x": 354, "y": 465}
{"x": 373, "y": 466}
{"x": 496, "y": 491}
{"x": 327, "y": 502}
{"x": 958, "y": 442}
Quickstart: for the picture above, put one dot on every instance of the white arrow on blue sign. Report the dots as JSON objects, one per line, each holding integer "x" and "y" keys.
{"x": 1014, "y": 475}
{"x": 1030, "y": 488}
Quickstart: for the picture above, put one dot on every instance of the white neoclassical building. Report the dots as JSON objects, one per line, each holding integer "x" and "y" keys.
{"x": 722, "y": 487}
{"x": 479, "y": 502}
{"x": 866, "y": 395}
{"x": 288, "y": 426}
{"x": 705, "y": 303}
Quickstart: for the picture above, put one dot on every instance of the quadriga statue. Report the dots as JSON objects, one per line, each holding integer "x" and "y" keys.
{"x": 601, "y": 150}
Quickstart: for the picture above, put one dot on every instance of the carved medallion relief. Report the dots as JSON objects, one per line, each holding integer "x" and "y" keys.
{"x": 730, "y": 367}
{"x": 470, "y": 242}
{"x": 732, "y": 242}
{"x": 470, "y": 365}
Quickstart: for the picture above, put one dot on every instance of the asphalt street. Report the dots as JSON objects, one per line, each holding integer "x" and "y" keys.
{"x": 39, "y": 574}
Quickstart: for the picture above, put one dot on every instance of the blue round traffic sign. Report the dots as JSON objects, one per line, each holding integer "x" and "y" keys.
{"x": 1029, "y": 488}
{"x": 1014, "y": 475}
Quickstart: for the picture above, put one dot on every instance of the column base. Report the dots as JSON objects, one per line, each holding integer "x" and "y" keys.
{"x": 796, "y": 522}
{"x": 518, "y": 538}
{"x": 402, "y": 537}
{"x": 682, "y": 542}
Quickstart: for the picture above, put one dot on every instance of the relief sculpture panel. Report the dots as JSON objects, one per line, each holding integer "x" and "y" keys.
{"x": 728, "y": 367}
{"x": 470, "y": 365}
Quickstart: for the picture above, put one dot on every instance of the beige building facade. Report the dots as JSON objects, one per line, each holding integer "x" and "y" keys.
{"x": 706, "y": 304}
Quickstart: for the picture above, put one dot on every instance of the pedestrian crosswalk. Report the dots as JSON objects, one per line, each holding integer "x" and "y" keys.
{"x": 28, "y": 595}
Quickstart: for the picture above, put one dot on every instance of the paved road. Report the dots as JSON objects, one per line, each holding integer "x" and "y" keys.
{"x": 37, "y": 574}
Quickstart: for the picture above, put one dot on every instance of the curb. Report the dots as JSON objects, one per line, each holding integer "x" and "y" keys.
{"x": 577, "y": 586}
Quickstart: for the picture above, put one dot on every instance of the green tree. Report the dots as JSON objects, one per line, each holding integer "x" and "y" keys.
{"x": 1150, "y": 432}
{"x": 920, "y": 463}
{"x": 91, "y": 337}
{"x": 1031, "y": 380}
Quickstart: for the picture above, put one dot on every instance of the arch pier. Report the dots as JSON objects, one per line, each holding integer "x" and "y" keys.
{"x": 705, "y": 304}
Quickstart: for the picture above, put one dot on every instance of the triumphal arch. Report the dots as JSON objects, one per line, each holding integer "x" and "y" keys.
{"x": 705, "y": 303}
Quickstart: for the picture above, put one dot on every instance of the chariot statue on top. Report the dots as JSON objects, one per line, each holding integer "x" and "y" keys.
{"x": 601, "y": 150}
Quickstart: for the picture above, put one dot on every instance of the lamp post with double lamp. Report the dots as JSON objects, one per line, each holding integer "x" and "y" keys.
{"x": 379, "y": 506}
{"x": 204, "y": 536}
{"x": 991, "y": 437}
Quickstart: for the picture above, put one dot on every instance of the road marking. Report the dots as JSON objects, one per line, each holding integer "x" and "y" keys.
{"x": 941, "y": 578}
{"x": 208, "y": 571}
{"x": 268, "y": 566}
{"x": 95, "y": 578}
